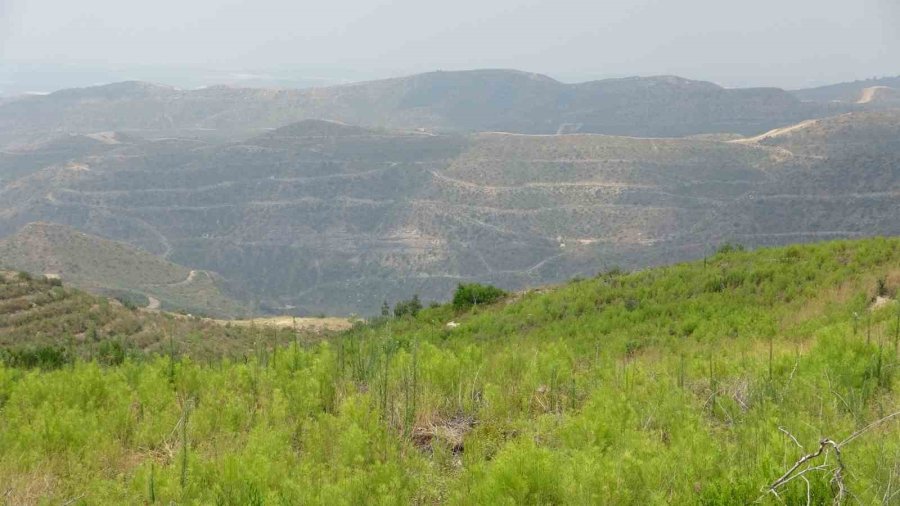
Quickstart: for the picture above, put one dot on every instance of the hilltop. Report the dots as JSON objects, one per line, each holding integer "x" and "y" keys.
{"x": 114, "y": 269}
{"x": 880, "y": 95}
{"x": 693, "y": 383}
{"x": 846, "y": 92}
{"x": 867, "y": 134}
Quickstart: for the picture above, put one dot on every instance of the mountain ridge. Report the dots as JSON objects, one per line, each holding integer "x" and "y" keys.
{"x": 847, "y": 92}
{"x": 461, "y": 101}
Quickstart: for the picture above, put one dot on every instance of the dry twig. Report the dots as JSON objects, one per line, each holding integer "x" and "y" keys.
{"x": 838, "y": 471}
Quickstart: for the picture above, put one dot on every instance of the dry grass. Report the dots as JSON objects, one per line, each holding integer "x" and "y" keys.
{"x": 330, "y": 324}
{"x": 450, "y": 432}
{"x": 837, "y": 295}
{"x": 25, "y": 489}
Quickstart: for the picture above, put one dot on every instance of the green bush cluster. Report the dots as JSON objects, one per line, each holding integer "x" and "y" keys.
{"x": 473, "y": 294}
{"x": 409, "y": 307}
{"x": 43, "y": 357}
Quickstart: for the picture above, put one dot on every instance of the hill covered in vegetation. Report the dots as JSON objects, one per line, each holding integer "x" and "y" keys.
{"x": 326, "y": 217}
{"x": 116, "y": 270}
{"x": 849, "y": 92}
{"x": 766, "y": 376}
{"x": 46, "y": 323}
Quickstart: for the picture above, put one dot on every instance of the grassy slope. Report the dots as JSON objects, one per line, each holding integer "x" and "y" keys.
{"x": 662, "y": 386}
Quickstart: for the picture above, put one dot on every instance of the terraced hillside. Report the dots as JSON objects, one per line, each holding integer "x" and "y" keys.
{"x": 481, "y": 100}
{"x": 115, "y": 269}
{"x": 319, "y": 216}
{"x": 42, "y": 322}
{"x": 765, "y": 377}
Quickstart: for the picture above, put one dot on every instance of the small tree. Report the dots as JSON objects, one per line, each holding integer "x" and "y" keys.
{"x": 472, "y": 294}
{"x": 385, "y": 309}
{"x": 729, "y": 247}
{"x": 415, "y": 305}
{"x": 408, "y": 307}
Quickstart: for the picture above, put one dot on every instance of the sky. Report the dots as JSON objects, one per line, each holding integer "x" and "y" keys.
{"x": 786, "y": 43}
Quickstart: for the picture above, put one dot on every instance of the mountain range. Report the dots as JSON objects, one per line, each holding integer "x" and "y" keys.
{"x": 414, "y": 185}
{"x": 482, "y": 100}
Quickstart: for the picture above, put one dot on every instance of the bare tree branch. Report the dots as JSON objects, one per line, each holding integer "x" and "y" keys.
{"x": 803, "y": 460}
{"x": 782, "y": 429}
{"x": 808, "y": 492}
{"x": 837, "y": 478}
{"x": 865, "y": 429}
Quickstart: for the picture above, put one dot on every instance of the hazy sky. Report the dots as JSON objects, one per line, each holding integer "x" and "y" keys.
{"x": 787, "y": 43}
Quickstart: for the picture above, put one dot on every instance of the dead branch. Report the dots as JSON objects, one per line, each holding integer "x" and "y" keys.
{"x": 782, "y": 429}
{"x": 808, "y": 491}
{"x": 865, "y": 429}
{"x": 820, "y": 467}
{"x": 803, "y": 460}
{"x": 837, "y": 478}
{"x": 73, "y": 500}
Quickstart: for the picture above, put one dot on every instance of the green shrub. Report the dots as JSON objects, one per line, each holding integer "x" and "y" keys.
{"x": 728, "y": 247}
{"x": 472, "y": 294}
{"x": 409, "y": 307}
{"x": 111, "y": 353}
{"x": 42, "y": 357}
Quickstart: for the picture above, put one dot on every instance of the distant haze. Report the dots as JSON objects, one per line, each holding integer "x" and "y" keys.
{"x": 797, "y": 43}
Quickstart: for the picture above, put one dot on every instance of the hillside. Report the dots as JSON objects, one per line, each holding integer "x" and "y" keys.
{"x": 328, "y": 217}
{"x": 23, "y": 161}
{"x": 846, "y": 92}
{"x": 695, "y": 383}
{"x": 45, "y": 322}
{"x": 880, "y": 95}
{"x": 867, "y": 134}
{"x": 479, "y": 100}
{"x": 114, "y": 269}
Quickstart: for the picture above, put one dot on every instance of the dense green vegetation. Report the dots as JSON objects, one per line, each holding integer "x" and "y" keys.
{"x": 472, "y": 294}
{"x": 698, "y": 383}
